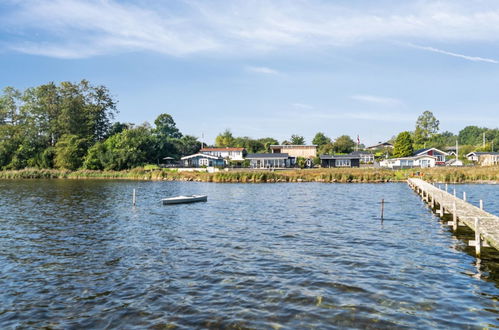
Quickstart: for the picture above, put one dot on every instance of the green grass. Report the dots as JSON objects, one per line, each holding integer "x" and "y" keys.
{"x": 444, "y": 174}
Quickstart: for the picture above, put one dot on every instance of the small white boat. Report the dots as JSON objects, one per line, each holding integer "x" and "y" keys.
{"x": 185, "y": 199}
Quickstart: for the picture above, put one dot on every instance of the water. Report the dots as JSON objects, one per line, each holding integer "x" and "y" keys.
{"x": 76, "y": 254}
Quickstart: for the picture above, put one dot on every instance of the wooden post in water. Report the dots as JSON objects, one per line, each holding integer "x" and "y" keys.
{"x": 464, "y": 196}
{"x": 441, "y": 209}
{"x": 454, "y": 216}
{"x": 382, "y": 208}
{"x": 432, "y": 201}
{"x": 454, "y": 192}
{"x": 133, "y": 198}
{"x": 478, "y": 241}
{"x": 481, "y": 204}
{"x": 446, "y": 187}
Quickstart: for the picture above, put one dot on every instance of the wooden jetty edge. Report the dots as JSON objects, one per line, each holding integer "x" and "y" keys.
{"x": 484, "y": 224}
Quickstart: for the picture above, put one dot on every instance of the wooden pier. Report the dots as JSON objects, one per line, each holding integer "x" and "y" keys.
{"x": 484, "y": 224}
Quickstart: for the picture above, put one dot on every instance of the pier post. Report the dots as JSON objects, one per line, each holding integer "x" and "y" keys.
{"x": 481, "y": 204}
{"x": 382, "y": 208}
{"x": 454, "y": 192}
{"x": 441, "y": 209}
{"x": 446, "y": 187}
{"x": 478, "y": 241}
{"x": 454, "y": 217}
{"x": 133, "y": 198}
{"x": 432, "y": 201}
{"x": 464, "y": 196}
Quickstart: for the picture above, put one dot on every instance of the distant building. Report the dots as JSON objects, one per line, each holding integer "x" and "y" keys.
{"x": 200, "y": 160}
{"x": 380, "y": 145}
{"x": 309, "y": 151}
{"x": 479, "y": 156}
{"x": 409, "y": 162}
{"x": 454, "y": 162}
{"x": 272, "y": 160}
{"x": 226, "y": 153}
{"x": 438, "y": 154}
{"x": 484, "y": 158}
{"x": 366, "y": 157}
{"x": 340, "y": 161}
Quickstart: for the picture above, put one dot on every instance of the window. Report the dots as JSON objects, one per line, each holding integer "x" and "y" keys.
{"x": 343, "y": 163}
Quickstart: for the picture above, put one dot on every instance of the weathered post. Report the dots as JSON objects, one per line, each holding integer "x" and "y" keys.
{"x": 382, "y": 208}
{"x": 454, "y": 216}
{"x": 432, "y": 201}
{"x": 454, "y": 192}
{"x": 133, "y": 198}
{"x": 441, "y": 209}
{"x": 464, "y": 196}
{"x": 481, "y": 204}
{"x": 478, "y": 241}
{"x": 446, "y": 187}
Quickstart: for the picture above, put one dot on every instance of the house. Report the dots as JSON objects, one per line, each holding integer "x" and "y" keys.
{"x": 479, "y": 156}
{"x": 438, "y": 154}
{"x": 272, "y": 160}
{"x": 340, "y": 161}
{"x": 380, "y": 145}
{"x": 295, "y": 150}
{"x": 200, "y": 160}
{"x": 365, "y": 156}
{"x": 225, "y": 153}
{"x": 484, "y": 158}
{"x": 409, "y": 162}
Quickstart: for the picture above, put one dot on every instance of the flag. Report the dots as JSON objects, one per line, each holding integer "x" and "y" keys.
{"x": 358, "y": 139}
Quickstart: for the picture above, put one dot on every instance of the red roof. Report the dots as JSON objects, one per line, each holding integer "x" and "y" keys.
{"x": 222, "y": 149}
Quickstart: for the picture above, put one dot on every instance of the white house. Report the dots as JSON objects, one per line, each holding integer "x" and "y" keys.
{"x": 200, "y": 160}
{"x": 225, "y": 153}
{"x": 438, "y": 154}
{"x": 409, "y": 162}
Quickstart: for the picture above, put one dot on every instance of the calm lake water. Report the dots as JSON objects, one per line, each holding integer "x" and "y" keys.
{"x": 76, "y": 254}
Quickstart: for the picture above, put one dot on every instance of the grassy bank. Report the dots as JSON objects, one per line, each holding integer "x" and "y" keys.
{"x": 445, "y": 174}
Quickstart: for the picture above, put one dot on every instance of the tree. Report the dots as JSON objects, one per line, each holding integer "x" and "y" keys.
{"x": 166, "y": 127}
{"x": 297, "y": 139}
{"x": 343, "y": 144}
{"x": 426, "y": 127}
{"x": 320, "y": 139}
{"x": 225, "y": 139}
{"x": 471, "y": 135}
{"x": 403, "y": 145}
{"x": 69, "y": 152}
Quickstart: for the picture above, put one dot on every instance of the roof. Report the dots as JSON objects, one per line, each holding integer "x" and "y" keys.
{"x": 380, "y": 145}
{"x": 425, "y": 150}
{"x": 292, "y": 146}
{"x": 339, "y": 157}
{"x": 412, "y": 157}
{"x": 221, "y": 149}
{"x": 268, "y": 156}
{"x": 202, "y": 156}
{"x": 361, "y": 152}
{"x": 481, "y": 153}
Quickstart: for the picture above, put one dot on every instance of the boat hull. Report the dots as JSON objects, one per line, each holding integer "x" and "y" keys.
{"x": 185, "y": 199}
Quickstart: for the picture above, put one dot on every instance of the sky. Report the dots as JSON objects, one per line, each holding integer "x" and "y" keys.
{"x": 267, "y": 68}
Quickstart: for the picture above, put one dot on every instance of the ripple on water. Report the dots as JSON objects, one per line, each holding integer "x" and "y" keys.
{"x": 75, "y": 254}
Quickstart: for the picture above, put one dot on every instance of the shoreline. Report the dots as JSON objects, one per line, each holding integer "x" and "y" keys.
{"x": 480, "y": 175}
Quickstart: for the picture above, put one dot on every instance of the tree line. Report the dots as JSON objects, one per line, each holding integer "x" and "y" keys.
{"x": 70, "y": 126}
{"x": 427, "y": 134}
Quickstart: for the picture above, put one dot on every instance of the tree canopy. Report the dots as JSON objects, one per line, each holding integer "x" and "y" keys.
{"x": 403, "y": 145}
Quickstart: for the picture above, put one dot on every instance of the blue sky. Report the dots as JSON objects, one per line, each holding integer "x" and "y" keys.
{"x": 267, "y": 68}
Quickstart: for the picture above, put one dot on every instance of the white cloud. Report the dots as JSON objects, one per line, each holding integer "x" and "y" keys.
{"x": 466, "y": 57}
{"x": 387, "y": 101}
{"x": 302, "y": 106}
{"x": 82, "y": 28}
{"x": 261, "y": 69}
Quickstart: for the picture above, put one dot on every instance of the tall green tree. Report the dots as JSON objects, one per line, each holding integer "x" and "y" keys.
{"x": 225, "y": 139}
{"x": 321, "y": 139}
{"x": 343, "y": 144}
{"x": 166, "y": 127}
{"x": 403, "y": 145}
{"x": 297, "y": 139}
{"x": 69, "y": 152}
{"x": 426, "y": 127}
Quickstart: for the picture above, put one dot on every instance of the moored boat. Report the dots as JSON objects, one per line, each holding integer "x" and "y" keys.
{"x": 185, "y": 199}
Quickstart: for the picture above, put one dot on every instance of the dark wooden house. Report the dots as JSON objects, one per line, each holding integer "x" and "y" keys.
{"x": 340, "y": 161}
